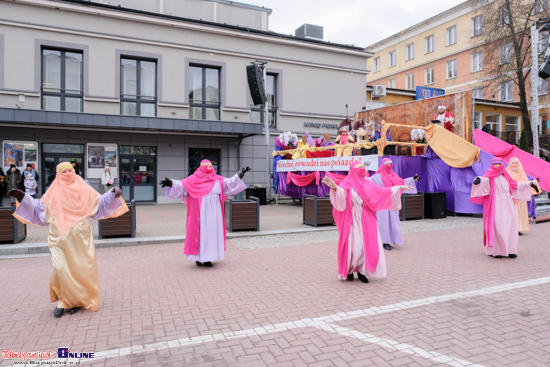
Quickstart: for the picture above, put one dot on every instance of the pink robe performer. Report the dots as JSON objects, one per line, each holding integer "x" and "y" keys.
{"x": 496, "y": 192}
{"x": 203, "y": 194}
{"x": 356, "y": 201}
{"x": 516, "y": 172}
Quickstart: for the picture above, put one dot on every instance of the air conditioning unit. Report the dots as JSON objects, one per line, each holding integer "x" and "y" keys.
{"x": 378, "y": 91}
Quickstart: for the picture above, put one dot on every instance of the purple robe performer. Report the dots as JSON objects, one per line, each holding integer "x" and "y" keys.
{"x": 389, "y": 225}
{"x": 203, "y": 194}
{"x": 496, "y": 191}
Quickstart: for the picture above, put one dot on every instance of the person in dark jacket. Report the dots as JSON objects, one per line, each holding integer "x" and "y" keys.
{"x": 3, "y": 185}
{"x": 13, "y": 179}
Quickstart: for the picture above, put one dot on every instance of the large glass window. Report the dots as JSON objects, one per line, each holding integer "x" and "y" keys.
{"x": 391, "y": 59}
{"x": 409, "y": 81}
{"x": 271, "y": 91}
{"x": 477, "y": 26}
{"x": 138, "y": 90}
{"x": 61, "y": 80}
{"x": 477, "y": 92}
{"x": 204, "y": 93}
{"x": 196, "y": 155}
{"x": 505, "y": 53}
{"x": 409, "y": 52}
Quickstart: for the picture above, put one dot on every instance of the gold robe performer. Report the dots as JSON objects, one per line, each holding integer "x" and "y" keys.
{"x": 65, "y": 208}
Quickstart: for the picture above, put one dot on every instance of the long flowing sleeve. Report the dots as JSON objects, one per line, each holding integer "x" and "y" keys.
{"x": 233, "y": 185}
{"x": 31, "y": 211}
{"x": 310, "y": 140}
{"x": 108, "y": 204}
{"x": 412, "y": 183}
{"x": 338, "y": 199}
{"x": 177, "y": 191}
{"x": 523, "y": 192}
{"x": 483, "y": 189}
{"x": 396, "y": 198}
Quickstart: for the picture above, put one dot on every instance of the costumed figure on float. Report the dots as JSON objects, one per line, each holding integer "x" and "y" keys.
{"x": 516, "y": 172}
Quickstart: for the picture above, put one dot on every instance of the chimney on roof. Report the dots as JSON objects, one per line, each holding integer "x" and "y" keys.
{"x": 310, "y": 31}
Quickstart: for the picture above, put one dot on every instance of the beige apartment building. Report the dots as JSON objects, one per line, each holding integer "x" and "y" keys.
{"x": 447, "y": 52}
{"x": 150, "y": 88}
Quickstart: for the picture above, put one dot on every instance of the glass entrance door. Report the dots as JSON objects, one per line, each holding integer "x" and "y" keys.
{"x": 138, "y": 173}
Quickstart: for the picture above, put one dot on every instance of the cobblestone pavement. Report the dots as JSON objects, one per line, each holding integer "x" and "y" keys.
{"x": 409, "y": 226}
{"x": 443, "y": 303}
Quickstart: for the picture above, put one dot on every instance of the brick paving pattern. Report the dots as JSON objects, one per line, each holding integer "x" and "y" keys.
{"x": 443, "y": 303}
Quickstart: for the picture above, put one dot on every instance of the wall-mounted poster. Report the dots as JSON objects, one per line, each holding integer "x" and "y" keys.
{"x": 19, "y": 153}
{"x": 100, "y": 156}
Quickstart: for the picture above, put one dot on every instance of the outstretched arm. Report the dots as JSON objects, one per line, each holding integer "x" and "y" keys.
{"x": 30, "y": 211}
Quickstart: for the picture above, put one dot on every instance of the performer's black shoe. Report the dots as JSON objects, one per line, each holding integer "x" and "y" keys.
{"x": 521, "y": 234}
{"x": 362, "y": 278}
{"x": 498, "y": 256}
{"x": 208, "y": 264}
{"x": 58, "y": 312}
{"x": 350, "y": 277}
{"x": 513, "y": 256}
{"x": 73, "y": 310}
{"x": 387, "y": 246}
{"x": 198, "y": 263}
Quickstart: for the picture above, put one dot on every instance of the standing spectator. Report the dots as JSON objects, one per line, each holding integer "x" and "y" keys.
{"x": 31, "y": 170}
{"x": 30, "y": 185}
{"x": 14, "y": 181}
{"x": 107, "y": 180}
{"x": 76, "y": 167}
{"x": 3, "y": 185}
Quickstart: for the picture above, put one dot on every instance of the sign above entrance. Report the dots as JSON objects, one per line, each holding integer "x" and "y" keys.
{"x": 425, "y": 92}
{"x": 100, "y": 156}
{"x": 320, "y": 125}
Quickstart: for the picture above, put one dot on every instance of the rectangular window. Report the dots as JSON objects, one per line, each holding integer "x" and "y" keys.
{"x": 429, "y": 44}
{"x": 506, "y": 91}
{"x": 451, "y": 36}
{"x": 391, "y": 59}
{"x": 543, "y": 87}
{"x": 543, "y": 41}
{"x": 391, "y": 83}
{"x": 409, "y": 52}
{"x": 505, "y": 53}
{"x": 477, "y": 26}
{"x": 377, "y": 64}
{"x": 539, "y": 6}
{"x": 477, "y": 93}
{"x": 477, "y": 61}
{"x": 204, "y": 92}
{"x": 62, "y": 80}
{"x": 429, "y": 76}
{"x": 256, "y": 114}
{"x": 451, "y": 69}
{"x": 477, "y": 120}
{"x": 513, "y": 127}
{"x": 138, "y": 89}
{"x": 503, "y": 16}
{"x": 409, "y": 81}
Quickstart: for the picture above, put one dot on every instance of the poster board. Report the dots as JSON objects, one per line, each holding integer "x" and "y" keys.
{"x": 19, "y": 153}
{"x": 100, "y": 156}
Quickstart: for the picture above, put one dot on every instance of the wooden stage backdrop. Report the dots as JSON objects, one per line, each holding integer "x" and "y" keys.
{"x": 420, "y": 113}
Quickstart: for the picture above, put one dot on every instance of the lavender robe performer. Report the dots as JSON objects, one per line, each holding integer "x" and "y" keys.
{"x": 496, "y": 191}
{"x": 65, "y": 208}
{"x": 355, "y": 202}
{"x": 389, "y": 225}
{"x": 203, "y": 194}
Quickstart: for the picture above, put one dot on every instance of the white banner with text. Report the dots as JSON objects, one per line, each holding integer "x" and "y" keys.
{"x": 327, "y": 164}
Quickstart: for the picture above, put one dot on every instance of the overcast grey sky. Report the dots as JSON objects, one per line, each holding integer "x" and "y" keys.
{"x": 359, "y": 22}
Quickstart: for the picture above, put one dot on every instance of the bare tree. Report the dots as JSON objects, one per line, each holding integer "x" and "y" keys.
{"x": 505, "y": 39}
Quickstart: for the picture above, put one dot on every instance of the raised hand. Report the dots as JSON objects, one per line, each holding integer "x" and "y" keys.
{"x": 477, "y": 181}
{"x": 166, "y": 183}
{"x": 416, "y": 177}
{"x": 117, "y": 191}
{"x": 18, "y": 194}
{"x": 328, "y": 181}
{"x": 535, "y": 187}
{"x": 243, "y": 171}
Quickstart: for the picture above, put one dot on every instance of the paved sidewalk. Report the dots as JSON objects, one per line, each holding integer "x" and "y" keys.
{"x": 443, "y": 303}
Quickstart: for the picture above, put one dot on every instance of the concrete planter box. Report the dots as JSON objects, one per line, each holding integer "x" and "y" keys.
{"x": 317, "y": 211}
{"x": 123, "y": 226}
{"x": 242, "y": 215}
{"x": 11, "y": 229}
